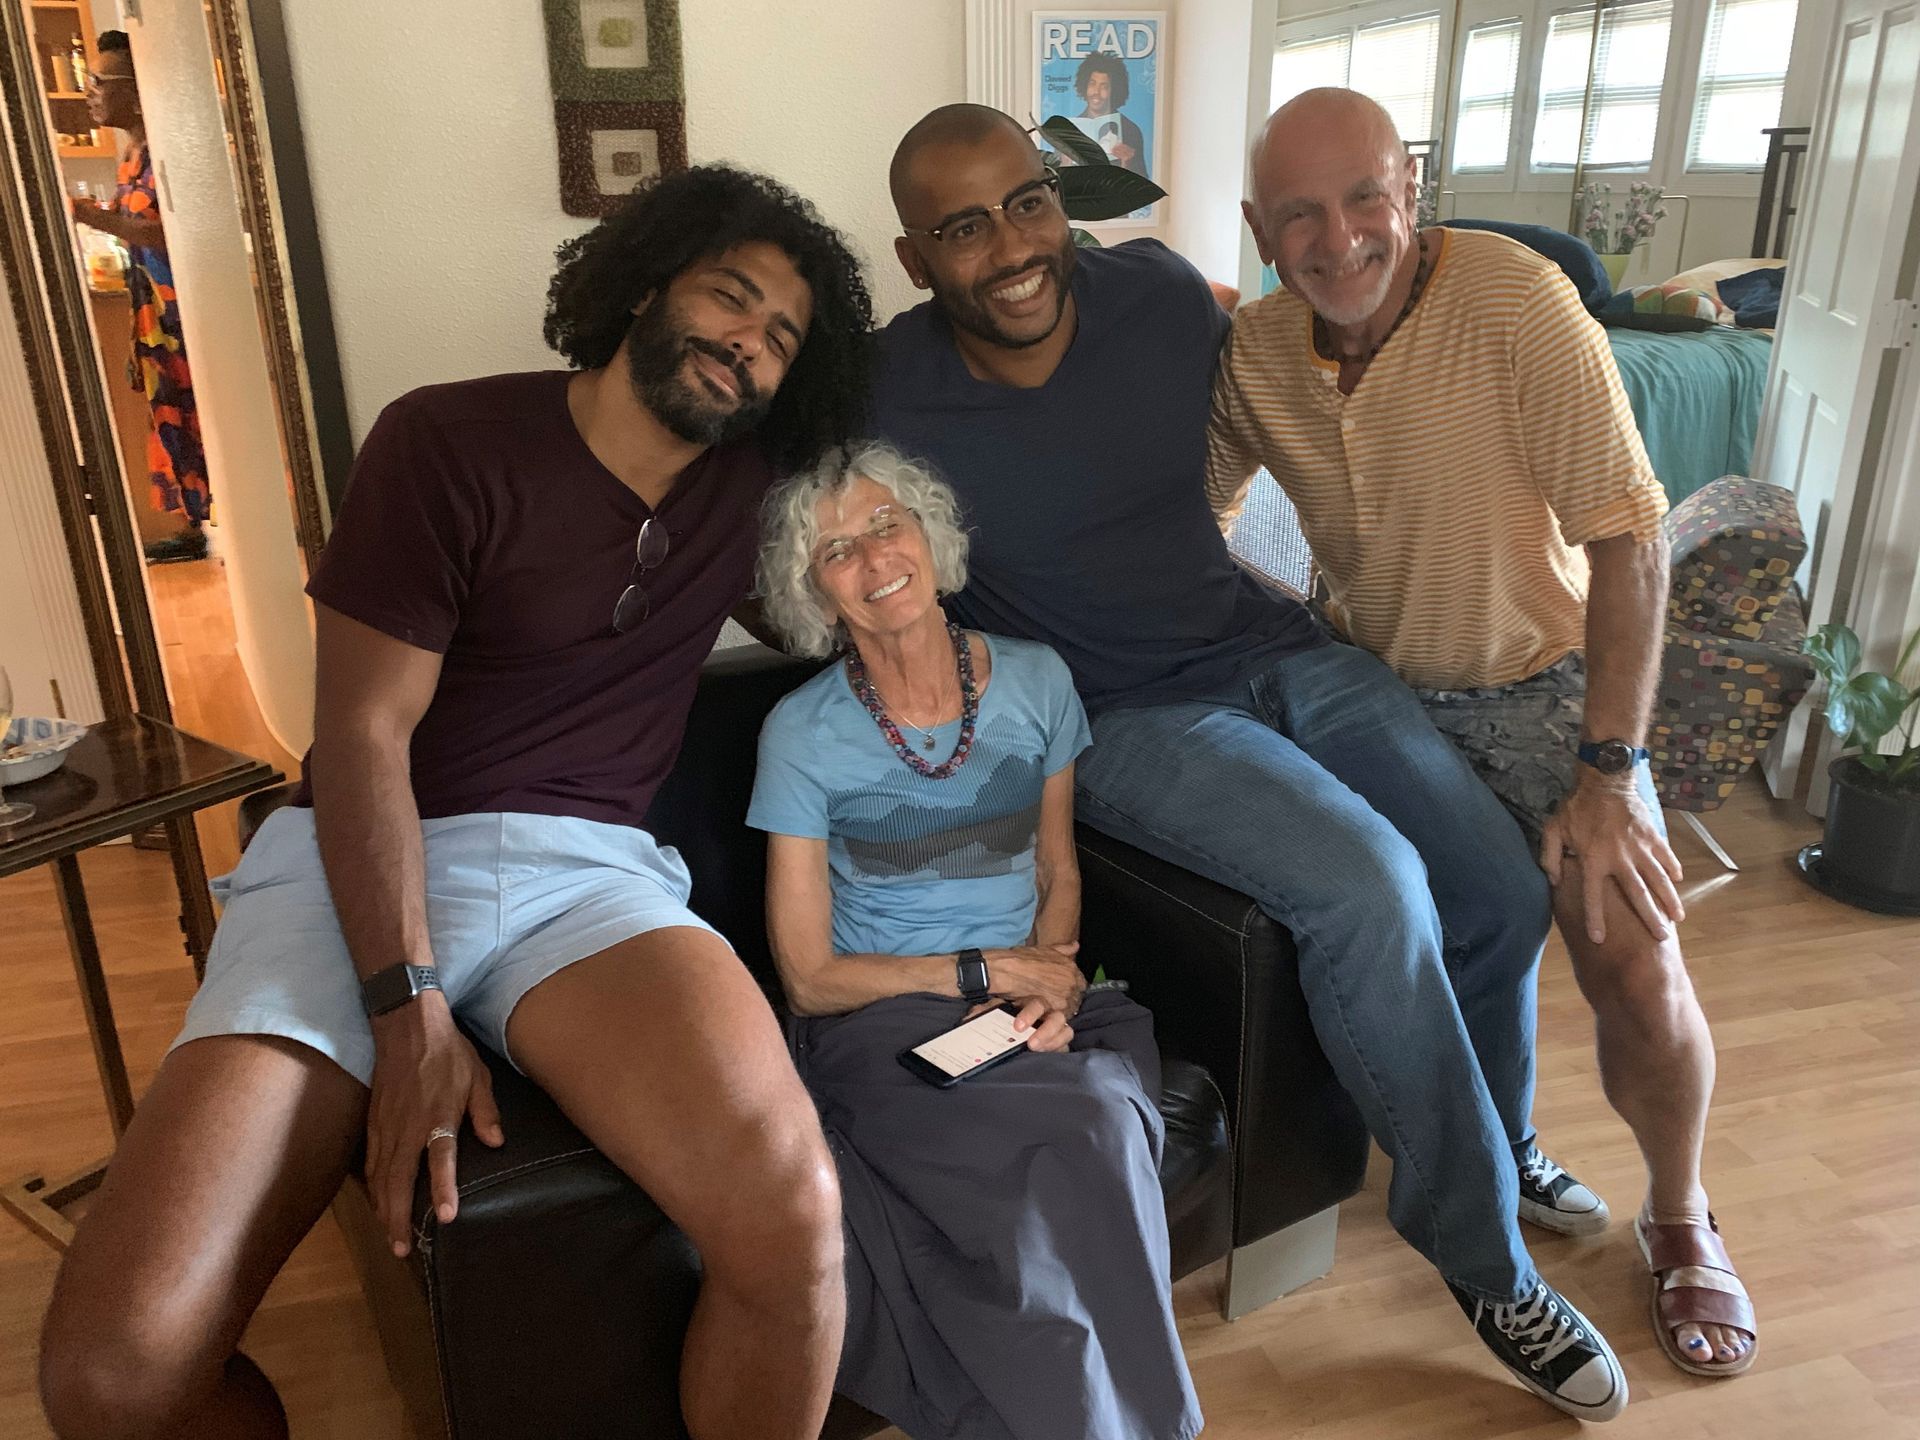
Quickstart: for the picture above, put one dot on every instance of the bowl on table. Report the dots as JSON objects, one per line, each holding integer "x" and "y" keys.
{"x": 35, "y": 746}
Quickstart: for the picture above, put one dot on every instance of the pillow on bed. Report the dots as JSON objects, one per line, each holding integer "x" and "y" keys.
{"x": 1753, "y": 297}
{"x": 1572, "y": 254}
{"x": 1661, "y": 307}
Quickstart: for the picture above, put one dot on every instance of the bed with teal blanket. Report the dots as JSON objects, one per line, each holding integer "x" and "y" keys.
{"x": 1697, "y": 398}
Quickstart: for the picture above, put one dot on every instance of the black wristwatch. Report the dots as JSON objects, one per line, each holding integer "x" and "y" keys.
{"x": 970, "y": 971}
{"x": 1611, "y": 757}
{"x": 394, "y": 986}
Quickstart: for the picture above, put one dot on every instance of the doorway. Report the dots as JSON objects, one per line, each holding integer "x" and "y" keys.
{"x": 148, "y": 193}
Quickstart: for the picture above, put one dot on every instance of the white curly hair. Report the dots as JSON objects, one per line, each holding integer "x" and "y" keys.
{"x": 790, "y": 529}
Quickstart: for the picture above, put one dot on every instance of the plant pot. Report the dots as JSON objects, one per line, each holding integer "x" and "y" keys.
{"x": 1615, "y": 266}
{"x": 1870, "y": 855}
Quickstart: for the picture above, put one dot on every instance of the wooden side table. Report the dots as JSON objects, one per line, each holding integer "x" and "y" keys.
{"x": 124, "y": 775}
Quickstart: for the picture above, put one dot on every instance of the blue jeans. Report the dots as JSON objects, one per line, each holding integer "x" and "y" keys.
{"x": 1324, "y": 794}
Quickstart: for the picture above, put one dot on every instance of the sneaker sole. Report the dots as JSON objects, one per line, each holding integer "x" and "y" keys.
{"x": 1560, "y": 1222}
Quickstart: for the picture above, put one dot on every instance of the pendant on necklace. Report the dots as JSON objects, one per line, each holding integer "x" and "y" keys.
{"x": 927, "y": 744}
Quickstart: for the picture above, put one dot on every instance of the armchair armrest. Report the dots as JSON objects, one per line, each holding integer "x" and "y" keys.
{"x": 1221, "y": 980}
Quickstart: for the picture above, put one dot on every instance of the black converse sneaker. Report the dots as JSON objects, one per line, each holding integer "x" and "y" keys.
{"x": 1554, "y": 1200}
{"x": 1553, "y": 1350}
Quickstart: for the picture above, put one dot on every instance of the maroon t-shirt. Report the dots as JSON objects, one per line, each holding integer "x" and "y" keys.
{"x": 478, "y": 525}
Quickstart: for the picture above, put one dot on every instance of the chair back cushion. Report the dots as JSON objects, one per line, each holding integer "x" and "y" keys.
{"x": 1734, "y": 545}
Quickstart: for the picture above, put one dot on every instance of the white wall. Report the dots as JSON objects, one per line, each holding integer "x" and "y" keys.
{"x": 201, "y": 209}
{"x": 1214, "y": 114}
{"x": 429, "y": 130}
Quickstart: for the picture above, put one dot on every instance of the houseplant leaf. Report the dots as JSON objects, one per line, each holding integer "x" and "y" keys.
{"x": 1835, "y": 652}
{"x": 1865, "y": 708}
{"x": 1104, "y": 192}
{"x": 1063, "y": 134}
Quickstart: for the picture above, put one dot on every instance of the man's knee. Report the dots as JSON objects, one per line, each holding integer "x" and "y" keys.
{"x": 1637, "y": 979}
{"x": 107, "y": 1375}
{"x": 772, "y": 1222}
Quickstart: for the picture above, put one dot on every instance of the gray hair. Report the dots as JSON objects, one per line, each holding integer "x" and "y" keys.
{"x": 790, "y": 529}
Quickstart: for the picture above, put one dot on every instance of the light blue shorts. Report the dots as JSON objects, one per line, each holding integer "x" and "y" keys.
{"x": 511, "y": 900}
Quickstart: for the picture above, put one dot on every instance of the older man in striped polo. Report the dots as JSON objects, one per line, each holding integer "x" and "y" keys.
{"x": 1449, "y": 423}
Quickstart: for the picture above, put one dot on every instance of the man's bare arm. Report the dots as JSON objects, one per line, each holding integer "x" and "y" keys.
{"x": 1604, "y": 821}
{"x": 370, "y": 692}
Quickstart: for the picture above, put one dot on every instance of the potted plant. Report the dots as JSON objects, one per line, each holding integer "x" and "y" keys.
{"x": 1616, "y": 231}
{"x": 1092, "y": 187}
{"x": 1870, "y": 854}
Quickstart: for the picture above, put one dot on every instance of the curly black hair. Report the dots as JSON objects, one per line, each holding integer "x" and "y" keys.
{"x": 1113, "y": 67}
{"x": 677, "y": 220}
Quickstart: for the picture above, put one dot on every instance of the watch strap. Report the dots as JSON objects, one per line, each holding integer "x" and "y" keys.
{"x": 1589, "y": 752}
{"x": 395, "y": 986}
{"x": 970, "y": 975}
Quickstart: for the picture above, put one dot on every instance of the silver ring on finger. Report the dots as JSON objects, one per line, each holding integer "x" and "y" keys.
{"x": 442, "y": 1132}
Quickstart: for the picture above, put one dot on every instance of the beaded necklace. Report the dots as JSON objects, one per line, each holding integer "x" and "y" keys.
{"x": 969, "y": 709}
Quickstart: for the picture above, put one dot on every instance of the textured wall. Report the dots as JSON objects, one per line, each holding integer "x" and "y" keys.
{"x": 429, "y": 129}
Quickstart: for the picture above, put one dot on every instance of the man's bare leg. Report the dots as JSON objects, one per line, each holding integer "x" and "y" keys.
{"x": 234, "y": 1152}
{"x": 665, "y": 1053}
{"x": 1656, "y": 1063}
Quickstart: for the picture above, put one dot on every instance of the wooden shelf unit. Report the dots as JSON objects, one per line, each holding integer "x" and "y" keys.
{"x": 53, "y": 25}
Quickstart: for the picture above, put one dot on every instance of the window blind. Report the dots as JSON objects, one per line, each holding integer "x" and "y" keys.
{"x": 1397, "y": 63}
{"x": 1303, "y": 64}
{"x": 1743, "y": 79}
{"x": 1629, "y": 71}
{"x": 1489, "y": 73}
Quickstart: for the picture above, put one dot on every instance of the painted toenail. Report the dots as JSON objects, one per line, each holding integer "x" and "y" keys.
{"x": 1696, "y": 1343}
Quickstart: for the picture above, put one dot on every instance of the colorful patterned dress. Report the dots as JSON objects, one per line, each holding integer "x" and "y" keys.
{"x": 175, "y": 461}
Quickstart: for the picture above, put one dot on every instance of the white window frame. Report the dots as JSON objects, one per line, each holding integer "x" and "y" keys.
{"x": 1672, "y": 91}
{"x": 1347, "y": 19}
{"x": 1679, "y": 93}
{"x": 1482, "y": 12}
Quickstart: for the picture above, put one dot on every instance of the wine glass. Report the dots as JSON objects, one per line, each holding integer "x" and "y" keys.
{"x": 10, "y": 814}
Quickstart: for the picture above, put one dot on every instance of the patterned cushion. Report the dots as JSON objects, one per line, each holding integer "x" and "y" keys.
{"x": 1734, "y": 545}
{"x": 1720, "y": 701}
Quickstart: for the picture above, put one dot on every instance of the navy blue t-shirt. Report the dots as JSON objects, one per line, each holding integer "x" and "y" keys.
{"x": 1091, "y": 528}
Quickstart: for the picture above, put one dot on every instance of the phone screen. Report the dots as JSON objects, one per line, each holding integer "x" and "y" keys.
{"x": 969, "y": 1046}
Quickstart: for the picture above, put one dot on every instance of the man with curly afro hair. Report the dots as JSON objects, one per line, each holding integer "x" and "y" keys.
{"x": 511, "y": 617}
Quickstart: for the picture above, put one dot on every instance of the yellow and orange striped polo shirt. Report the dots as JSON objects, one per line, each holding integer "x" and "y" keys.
{"x": 1447, "y": 498}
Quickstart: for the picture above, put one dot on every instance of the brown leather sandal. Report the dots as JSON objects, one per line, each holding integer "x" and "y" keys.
{"x": 1694, "y": 1284}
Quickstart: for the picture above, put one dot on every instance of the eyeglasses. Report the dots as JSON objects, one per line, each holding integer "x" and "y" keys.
{"x": 886, "y": 521}
{"x": 648, "y": 551}
{"x": 94, "y": 82}
{"x": 1027, "y": 208}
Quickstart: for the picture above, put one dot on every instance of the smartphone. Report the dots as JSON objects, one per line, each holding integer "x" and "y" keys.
{"x": 967, "y": 1049}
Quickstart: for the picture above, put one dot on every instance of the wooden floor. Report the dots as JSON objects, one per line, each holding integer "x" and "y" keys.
{"x": 1814, "y": 1161}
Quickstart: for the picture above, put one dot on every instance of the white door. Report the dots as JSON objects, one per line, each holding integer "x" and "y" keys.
{"x": 1826, "y": 416}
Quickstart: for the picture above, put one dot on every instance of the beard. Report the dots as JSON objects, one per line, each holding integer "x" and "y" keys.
{"x": 1349, "y": 311}
{"x": 658, "y": 344}
{"x": 967, "y": 307}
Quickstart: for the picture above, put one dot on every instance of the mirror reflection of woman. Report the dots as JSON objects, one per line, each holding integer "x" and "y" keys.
{"x": 1007, "y": 1251}
{"x": 176, "y": 462}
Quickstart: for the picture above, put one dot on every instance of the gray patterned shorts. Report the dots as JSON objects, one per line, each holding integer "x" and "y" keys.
{"x": 1520, "y": 739}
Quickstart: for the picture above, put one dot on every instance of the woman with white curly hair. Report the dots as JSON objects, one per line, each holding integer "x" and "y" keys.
{"x": 1007, "y": 1254}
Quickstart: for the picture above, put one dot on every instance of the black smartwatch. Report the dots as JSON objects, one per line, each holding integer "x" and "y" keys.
{"x": 1611, "y": 757}
{"x": 970, "y": 971}
{"x": 394, "y": 986}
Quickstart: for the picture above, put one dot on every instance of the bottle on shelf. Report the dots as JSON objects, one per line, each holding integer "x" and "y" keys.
{"x": 77, "y": 63}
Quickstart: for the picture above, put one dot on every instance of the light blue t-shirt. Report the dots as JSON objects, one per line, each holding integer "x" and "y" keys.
{"x": 919, "y": 866}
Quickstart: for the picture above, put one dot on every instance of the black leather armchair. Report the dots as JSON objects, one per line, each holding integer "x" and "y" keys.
{"x": 557, "y": 1301}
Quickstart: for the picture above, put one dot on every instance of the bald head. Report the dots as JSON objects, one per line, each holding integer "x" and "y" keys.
{"x": 960, "y": 124}
{"x": 1331, "y": 203}
{"x": 1315, "y": 124}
